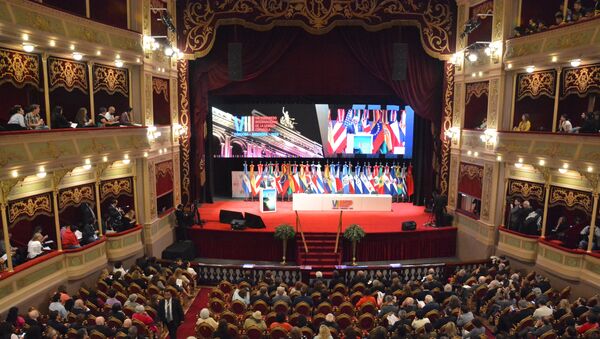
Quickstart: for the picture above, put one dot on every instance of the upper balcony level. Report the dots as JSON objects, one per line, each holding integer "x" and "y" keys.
{"x": 23, "y": 152}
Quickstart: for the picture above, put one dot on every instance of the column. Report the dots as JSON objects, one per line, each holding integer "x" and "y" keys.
{"x": 46, "y": 89}
{"x": 135, "y": 198}
{"x": 544, "y": 217}
{"x": 98, "y": 210}
{"x": 556, "y": 97}
{"x": 9, "y": 264}
{"x": 593, "y": 222}
{"x": 90, "y": 66}
{"x": 56, "y": 219}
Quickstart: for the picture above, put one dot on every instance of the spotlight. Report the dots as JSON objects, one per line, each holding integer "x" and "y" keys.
{"x": 126, "y": 159}
{"x": 169, "y": 51}
{"x": 160, "y": 151}
{"x": 72, "y": 47}
{"x": 77, "y": 56}
{"x": 542, "y": 162}
{"x": 469, "y": 153}
{"x": 118, "y": 56}
{"x": 28, "y": 47}
{"x": 488, "y": 51}
{"x": 562, "y": 170}
{"x": 105, "y": 158}
{"x": 15, "y": 173}
{"x": 473, "y": 75}
{"x": 509, "y": 66}
{"x": 145, "y": 154}
{"x": 98, "y": 52}
{"x": 88, "y": 164}
{"x": 518, "y": 165}
{"x": 119, "y": 63}
{"x": 565, "y": 166}
{"x": 41, "y": 173}
{"x": 25, "y": 37}
{"x": 472, "y": 57}
{"x": 137, "y": 60}
{"x": 521, "y": 160}
{"x": 530, "y": 69}
{"x": 575, "y": 62}
{"x": 480, "y": 73}
{"x": 590, "y": 169}
{"x": 476, "y": 154}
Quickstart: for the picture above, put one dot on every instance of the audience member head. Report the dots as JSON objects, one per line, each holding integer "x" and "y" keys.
{"x": 280, "y": 317}
{"x": 127, "y": 323}
{"x": 204, "y": 313}
{"x": 350, "y": 333}
{"x": 280, "y": 290}
{"x": 57, "y": 110}
{"x": 324, "y": 332}
{"x": 295, "y": 333}
{"x": 428, "y": 299}
{"x": 102, "y": 110}
{"x": 139, "y": 309}
{"x": 16, "y": 109}
{"x": 330, "y": 317}
{"x": 525, "y": 117}
{"x": 319, "y": 275}
{"x": 12, "y": 315}
{"x": 222, "y": 327}
{"x": 100, "y": 321}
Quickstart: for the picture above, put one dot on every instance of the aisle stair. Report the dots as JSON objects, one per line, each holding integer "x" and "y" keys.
{"x": 320, "y": 254}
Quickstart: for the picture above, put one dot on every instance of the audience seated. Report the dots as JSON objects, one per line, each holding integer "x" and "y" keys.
{"x": 575, "y": 14}
{"x": 524, "y": 124}
{"x": 17, "y": 119}
{"x": 33, "y": 119}
{"x": 58, "y": 119}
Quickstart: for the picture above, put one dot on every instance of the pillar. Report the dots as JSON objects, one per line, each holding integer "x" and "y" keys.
{"x": 90, "y": 66}
{"x": 593, "y": 222}
{"x": 9, "y": 264}
{"x": 556, "y": 97}
{"x": 46, "y": 89}
{"x": 56, "y": 219}
{"x": 98, "y": 210}
{"x": 544, "y": 217}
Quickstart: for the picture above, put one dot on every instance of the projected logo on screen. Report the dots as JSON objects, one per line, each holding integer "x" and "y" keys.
{"x": 254, "y": 126}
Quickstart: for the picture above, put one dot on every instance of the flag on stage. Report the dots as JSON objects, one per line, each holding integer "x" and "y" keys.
{"x": 246, "y": 180}
{"x": 318, "y": 180}
{"x": 377, "y": 132}
{"x": 366, "y": 125}
{"x": 285, "y": 182}
{"x": 345, "y": 179}
{"x": 337, "y": 179}
{"x": 410, "y": 185}
{"x": 338, "y": 135}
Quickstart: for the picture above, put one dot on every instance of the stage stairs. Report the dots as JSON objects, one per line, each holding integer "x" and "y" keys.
{"x": 320, "y": 254}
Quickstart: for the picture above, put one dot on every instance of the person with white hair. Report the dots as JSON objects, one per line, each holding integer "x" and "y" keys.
{"x": 102, "y": 328}
{"x": 141, "y": 315}
{"x": 430, "y": 304}
{"x": 255, "y": 320}
{"x": 131, "y": 302}
{"x": 205, "y": 318}
{"x": 330, "y": 322}
{"x": 280, "y": 295}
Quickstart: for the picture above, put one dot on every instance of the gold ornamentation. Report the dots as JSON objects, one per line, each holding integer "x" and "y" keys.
{"x": 497, "y": 20}
{"x": 471, "y": 171}
{"x": 19, "y": 69}
{"x": 67, "y": 74}
{"x": 74, "y": 196}
{"x": 116, "y": 187}
{"x": 582, "y": 80}
{"x": 148, "y": 94}
{"x": 536, "y": 84}
{"x": 492, "y": 113}
{"x": 435, "y": 18}
{"x": 526, "y": 190}
{"x": 29, "y": 208}
{"x": 446, "y": 125}
{"x": 184, "y": 120}
{"x": 458, "y": 98}
{"x": 486, "y": 193}
{"x": 161, "y": 86}
{"x": 164, "y": 169}
{"x": 486, "y": 7}
{"x": 571, "y": 199}
{"x": 111, "y": 80}
{"x": 453, "y": 181}
{"x": 476, "y": 89}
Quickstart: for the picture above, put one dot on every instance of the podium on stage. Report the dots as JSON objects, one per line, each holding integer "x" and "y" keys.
{"x": 267, "y": 198}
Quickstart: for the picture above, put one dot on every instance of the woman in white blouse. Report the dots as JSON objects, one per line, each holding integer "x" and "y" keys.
{"x": 34, "y": 247}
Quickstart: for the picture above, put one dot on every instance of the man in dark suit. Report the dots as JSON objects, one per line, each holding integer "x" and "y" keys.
{"x": 263, "y": 294}
{"x": 170, "y": 313}
{"x": 181, "y": 229}
{"x": 304, "y": 297}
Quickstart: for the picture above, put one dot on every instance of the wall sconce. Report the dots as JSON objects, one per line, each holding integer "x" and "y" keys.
{"x": 494, "y": 50}
{"x": 452, "y": 133}
{"x": 489, "y": 136}
{"x": 149, "y": 44}
{"x": 179, "y": 130}
{"x": 153, "y": 133}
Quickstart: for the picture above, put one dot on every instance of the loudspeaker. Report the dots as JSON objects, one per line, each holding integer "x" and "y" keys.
{"x": 409, "y": 226}
{"x": 238, "y": 224}
{"x": 226, "y": 216}
{"x": 183, "y": 249}
{"x": 234, "y": 61}
{"x": 254, "y": 221}
{"x": 400, "y": 56}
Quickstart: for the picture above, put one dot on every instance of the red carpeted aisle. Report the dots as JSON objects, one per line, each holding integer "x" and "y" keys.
{"x": 318, "y": 221}
{"x": 187, "y": 328}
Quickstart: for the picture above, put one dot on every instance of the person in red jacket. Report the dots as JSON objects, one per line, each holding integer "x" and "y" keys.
{"x": 367, "y": 298}
{"x": 592, "y": 322}
{"x": 69, "y": 239}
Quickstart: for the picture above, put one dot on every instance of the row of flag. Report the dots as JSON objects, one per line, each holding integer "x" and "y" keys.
{"x": 290, "y": 178}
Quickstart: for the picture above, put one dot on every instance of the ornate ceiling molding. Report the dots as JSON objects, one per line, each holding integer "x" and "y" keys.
{"x": 200, "y": 19}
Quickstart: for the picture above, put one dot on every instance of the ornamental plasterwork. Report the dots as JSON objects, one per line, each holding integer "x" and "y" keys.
{"x": 471, "y": 171}
{"x": 75, "y": 196}
{"x": 497, "y": 23}
{"x": 486, "y": 194}
{"x": 111, "y": 79}
{"x": 164, "y": 169}
{"x": 148, "y": 99}
{"x": 115, "y": 187}
{"x": 526, "y": 189}
{"x": 446, "y": 125}
{"x": 453, "y": 181}
{"x": 492, "y": 110}
{"x": 184, "y": 120}
{"x": 457, "y": 111}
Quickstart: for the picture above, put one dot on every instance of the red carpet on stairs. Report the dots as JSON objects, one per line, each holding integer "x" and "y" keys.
{"x": 187, "y": 328}
{"x": 321, "y": 248}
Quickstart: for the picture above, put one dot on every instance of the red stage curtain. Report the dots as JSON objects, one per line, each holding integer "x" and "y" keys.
{"x": 161, "y": 108}
{"x": 469, "y": 180}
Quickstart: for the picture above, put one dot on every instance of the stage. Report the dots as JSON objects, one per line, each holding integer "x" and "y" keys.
{"x": 384, "y": 238}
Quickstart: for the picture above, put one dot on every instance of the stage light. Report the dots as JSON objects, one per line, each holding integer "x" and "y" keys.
{"x": 472, "y": 57}
{"x": 119, "y": 63}
{"x": 554, "y": 58}
{"x": 105, "y": 158}
{"x": 530, "y": 69}
{"x": 15, "y": 173}
{"x": 88, "y": 165}
{"x": 590, "y": 169}
{"x": 499, "y": 158}
{"x": 473, "y": 75}
{"x": 480, "y": 73}
{"x": 41, "y": 173}
{"x": 28, "y": 47}
{"x": 160, "y": 151}
{"x": 137, "y": 60}
{"x": 542, "y": 162}
{"x": 169, "y": 51}
{"x": 117, "y": 56}
{"x": 575, "y": 62}
{"x": 565, "y": 166}
{"x": 488, "y": 51}
{"x": 52, "y": 43}
{"x": 509, "y": 66}
{"x": 77, "y": 56}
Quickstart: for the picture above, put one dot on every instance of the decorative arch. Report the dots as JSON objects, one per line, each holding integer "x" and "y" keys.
{"x": 199, "y": 19}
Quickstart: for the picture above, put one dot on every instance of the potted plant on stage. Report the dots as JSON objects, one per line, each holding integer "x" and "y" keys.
{"x": 354, "y": 233}
{"x": 284, "y": 232}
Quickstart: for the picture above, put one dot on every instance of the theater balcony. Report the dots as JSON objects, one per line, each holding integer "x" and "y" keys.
{"x": 521, "y": 246}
